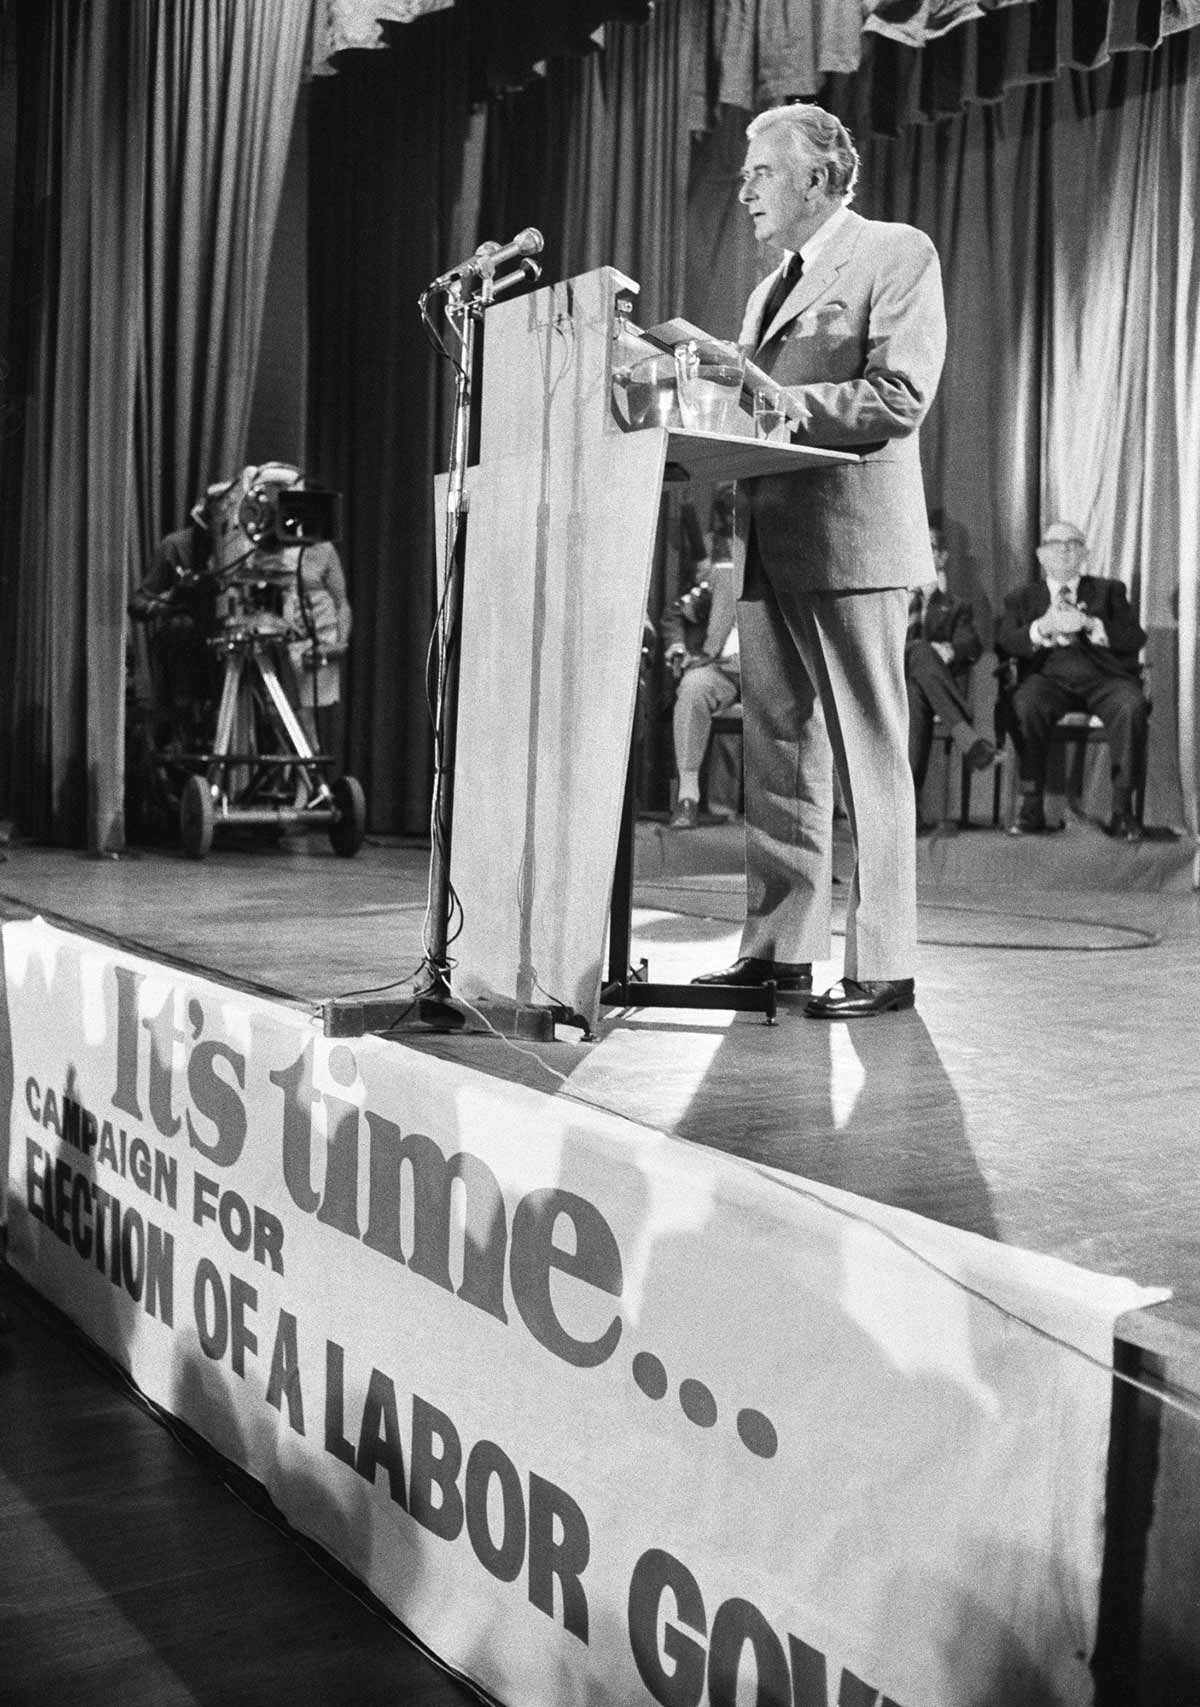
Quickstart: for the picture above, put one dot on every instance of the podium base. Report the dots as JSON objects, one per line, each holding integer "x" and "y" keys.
{"x": 637, "y": 990}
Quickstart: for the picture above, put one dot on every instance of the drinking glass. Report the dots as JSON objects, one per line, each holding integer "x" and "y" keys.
{"x": 770, "y": 422}
{"x": 709, "y": 382}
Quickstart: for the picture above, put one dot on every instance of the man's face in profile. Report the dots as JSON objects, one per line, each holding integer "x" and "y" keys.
{"x": 771, "y": 191}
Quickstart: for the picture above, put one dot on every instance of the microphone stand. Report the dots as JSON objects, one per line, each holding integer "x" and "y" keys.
{"x": 435, "y": 1005}
{"x": 465, "y": 313}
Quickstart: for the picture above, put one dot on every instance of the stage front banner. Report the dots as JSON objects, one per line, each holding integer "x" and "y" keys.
{"x": 604, "y": 1417}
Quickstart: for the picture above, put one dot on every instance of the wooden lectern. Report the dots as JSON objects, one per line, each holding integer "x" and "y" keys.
{"x": 564, "y": 507}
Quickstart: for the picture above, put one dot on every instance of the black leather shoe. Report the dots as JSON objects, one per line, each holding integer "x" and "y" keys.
{"x": 1124, "y": 827}
{"x": 686, "y": 816}
{"x": 791, "y": 977}
{"x": 861, "y": 999}
{"x": 980, "y": 755}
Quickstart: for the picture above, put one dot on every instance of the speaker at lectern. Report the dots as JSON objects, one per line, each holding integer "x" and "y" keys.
{"x": 563, "y": 512}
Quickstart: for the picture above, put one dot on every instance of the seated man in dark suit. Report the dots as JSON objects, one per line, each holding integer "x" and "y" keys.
{"x": 940, "y": 648}
{"x": 1076, "y": 644}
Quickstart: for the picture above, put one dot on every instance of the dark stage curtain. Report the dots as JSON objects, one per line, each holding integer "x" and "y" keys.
{"x": 153, "y": 139}
{"x": 614, "y": 155}
{"x": 81, "y": 175}
{"x": 602, "y": 147}
{"x": 223, "y": 80}
{"x": 595, "y": 155}
{"x": 394, "y": 176}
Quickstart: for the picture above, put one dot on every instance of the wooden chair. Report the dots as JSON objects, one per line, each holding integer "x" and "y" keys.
{"x": 943, "y": 736}
{"x": 1074, "y": 733}
{"x": 967, "y": 773}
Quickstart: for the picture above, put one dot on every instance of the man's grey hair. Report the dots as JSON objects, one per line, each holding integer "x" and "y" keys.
{"x": 814, "y": 137}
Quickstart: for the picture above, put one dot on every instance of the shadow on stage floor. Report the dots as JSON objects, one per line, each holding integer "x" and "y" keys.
{"x": 1045, "y": 1092}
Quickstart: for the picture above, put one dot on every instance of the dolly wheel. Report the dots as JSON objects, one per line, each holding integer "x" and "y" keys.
{"x": 349, "y": 825}
{"x": 196, "y": 817}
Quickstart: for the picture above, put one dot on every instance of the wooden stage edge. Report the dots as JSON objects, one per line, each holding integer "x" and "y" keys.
{"x": 1045, "y": 1091}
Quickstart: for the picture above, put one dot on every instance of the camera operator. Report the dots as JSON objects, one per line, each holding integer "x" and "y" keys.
{"x": 176, "y": 603}
{"x": 318, "y": 609}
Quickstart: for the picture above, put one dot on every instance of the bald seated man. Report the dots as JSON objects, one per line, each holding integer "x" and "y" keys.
{"x": 1076, "y": 644}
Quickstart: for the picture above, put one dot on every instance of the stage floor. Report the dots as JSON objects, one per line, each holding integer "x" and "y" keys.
{"x": 1045, "y": 1091}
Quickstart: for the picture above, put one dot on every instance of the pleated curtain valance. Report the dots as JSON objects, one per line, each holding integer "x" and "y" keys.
{"x": 914, "y": 60}
{"x": 341, "y": 24}
{"x": 505, "y": 42}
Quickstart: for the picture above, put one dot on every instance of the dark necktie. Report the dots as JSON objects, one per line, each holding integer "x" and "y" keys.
{"x": 916, "y": 614}
{"x": 779, "y": 292}
{"x": 1065, "y": 600}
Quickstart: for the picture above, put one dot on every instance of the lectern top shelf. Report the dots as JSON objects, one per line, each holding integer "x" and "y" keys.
{"x": 647, "y": 367}
{"x": 732, "y": 456}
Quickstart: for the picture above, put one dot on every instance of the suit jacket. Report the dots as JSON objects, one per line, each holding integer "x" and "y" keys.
{"x": 859, "y": 344}
{"x": 946, "y": 619}
{"x": 1099, "y": 597}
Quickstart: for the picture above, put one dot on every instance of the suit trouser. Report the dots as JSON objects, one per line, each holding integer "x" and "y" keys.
{"x": 932, "y": 692}
{"x": 1071, "y": 681}
{"x": 824, "y": 671}
{"x": 703, "y": 691}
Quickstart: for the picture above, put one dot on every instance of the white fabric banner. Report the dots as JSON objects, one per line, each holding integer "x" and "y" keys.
{"x": 603, "y": 1416}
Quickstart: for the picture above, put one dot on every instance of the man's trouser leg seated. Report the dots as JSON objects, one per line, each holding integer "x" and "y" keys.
{"x": 933, "y": 692}
{"x": 1121, "y": 706}
{"x": 703, "y": 691}
{"x": 1074, "y": 683}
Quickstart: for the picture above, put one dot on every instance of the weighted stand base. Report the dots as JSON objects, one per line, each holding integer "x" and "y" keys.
{"x": 433, "y": 1011}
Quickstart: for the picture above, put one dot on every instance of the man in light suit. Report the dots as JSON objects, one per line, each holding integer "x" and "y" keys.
{"x": 852, "y": 329}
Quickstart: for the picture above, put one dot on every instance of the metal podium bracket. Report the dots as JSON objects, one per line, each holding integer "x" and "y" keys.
{"x": 637, "y": 991}
{"x": 632, "y": 988}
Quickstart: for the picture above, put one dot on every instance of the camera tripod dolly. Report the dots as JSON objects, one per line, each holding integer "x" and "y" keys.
{"x": 237, "y": 784}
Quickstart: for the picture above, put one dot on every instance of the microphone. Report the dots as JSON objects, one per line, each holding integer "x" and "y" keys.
{"x": 527, "y": 273}
{"x": 491, "y": 258}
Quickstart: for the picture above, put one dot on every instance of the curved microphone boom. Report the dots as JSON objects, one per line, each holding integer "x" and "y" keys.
{"x": 491, "y": 258}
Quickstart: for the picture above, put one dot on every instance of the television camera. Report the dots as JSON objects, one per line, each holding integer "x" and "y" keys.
{"x": 260, "y": 767}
